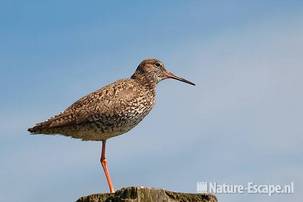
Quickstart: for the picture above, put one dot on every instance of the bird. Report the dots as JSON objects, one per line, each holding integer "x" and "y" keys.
{"x": 111, "y": 110}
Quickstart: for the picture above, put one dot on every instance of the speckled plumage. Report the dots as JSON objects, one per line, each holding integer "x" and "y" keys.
{"x": 111, "y": 110}
{"x": 107, "y": 112}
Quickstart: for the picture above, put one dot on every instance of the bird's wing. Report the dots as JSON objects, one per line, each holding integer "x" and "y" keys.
{"x": 102, "y": 102}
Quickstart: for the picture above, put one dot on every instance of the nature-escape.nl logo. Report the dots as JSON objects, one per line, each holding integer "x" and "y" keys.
{"x": 249, "y": 188}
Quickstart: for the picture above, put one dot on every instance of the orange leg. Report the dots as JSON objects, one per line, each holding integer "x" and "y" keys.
{"x": 105, "y": 168}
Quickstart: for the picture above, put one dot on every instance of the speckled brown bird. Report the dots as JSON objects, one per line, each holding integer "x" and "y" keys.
{"x": 110, "y": 111}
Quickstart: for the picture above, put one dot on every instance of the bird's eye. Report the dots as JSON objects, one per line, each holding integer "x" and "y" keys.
{"x": 158, "y": 64}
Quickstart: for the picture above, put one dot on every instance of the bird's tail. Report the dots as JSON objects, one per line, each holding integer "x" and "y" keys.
{"x": 39, "y": 128}
{"x": 33, "y": 130}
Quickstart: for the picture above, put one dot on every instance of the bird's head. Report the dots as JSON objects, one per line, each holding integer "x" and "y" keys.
{"x": 153, "y": 70}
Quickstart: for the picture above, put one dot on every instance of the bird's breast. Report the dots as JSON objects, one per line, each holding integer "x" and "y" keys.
{"x": 125, "y": 116}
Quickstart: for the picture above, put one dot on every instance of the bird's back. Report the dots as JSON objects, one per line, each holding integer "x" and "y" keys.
{"x": 107, "y": 112}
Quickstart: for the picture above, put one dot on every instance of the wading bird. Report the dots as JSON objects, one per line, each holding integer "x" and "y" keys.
{"x": 110, "y": 111}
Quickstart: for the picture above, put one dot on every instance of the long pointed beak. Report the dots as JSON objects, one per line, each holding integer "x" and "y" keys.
{"x": 172, "y": 76}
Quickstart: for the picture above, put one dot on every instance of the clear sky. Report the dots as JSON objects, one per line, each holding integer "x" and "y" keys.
{"x": 241, "y": 123}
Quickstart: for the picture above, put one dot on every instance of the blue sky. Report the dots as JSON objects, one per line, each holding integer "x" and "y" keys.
{"x": 241, "y": 123}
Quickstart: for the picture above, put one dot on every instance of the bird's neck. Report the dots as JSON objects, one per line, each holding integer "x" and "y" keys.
{"x": 146, "y": 81}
